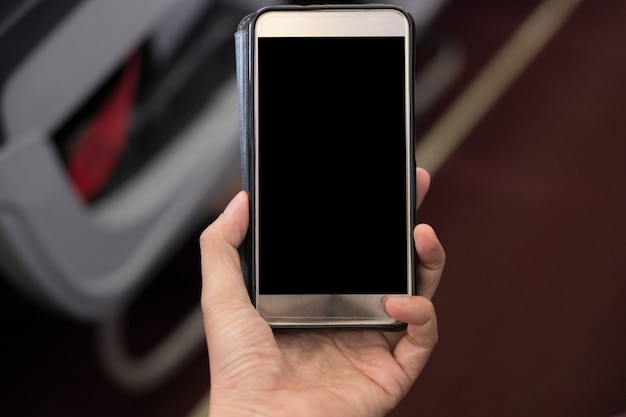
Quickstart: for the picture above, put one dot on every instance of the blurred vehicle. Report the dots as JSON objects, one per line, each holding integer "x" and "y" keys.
{"x": 118, "y": 124}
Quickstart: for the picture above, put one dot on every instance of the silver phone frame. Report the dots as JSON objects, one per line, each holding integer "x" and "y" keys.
{"x": 333, "y": 310}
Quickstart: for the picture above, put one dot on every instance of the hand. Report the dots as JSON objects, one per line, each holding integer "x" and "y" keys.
{"x": 309, "y": 373}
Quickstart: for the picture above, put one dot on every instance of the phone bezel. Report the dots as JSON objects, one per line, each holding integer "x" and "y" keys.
{"x": 332, "y": 310}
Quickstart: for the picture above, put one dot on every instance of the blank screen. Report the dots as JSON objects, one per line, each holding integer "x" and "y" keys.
{"x": 332, "y": 174}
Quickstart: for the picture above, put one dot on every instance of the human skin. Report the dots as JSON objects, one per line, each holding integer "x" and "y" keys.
{"x": 255, "y": 371}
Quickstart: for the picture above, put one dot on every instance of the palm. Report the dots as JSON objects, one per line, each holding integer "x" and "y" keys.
{"x": 349, "y": 367}
{"x": 334, "y": 369}
{"x": 255, "y": 371}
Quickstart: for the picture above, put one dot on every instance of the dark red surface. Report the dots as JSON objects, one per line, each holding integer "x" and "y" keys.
{"x": 530, "y": 208}
{"x": 532, "y": 212}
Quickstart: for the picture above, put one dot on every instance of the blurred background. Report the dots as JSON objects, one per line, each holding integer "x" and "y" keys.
{"x": 119, "y": 144}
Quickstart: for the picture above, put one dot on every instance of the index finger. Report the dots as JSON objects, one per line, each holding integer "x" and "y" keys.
{"x": 422, "y": 184}
{"x": 432, "y": 259}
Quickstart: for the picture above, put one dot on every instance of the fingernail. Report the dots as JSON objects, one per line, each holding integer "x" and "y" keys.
{"x": 384, "y": 303}
{"x": 232, "y": 202}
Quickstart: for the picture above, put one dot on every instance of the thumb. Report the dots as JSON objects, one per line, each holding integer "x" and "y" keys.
{"x": 223, "y": 289}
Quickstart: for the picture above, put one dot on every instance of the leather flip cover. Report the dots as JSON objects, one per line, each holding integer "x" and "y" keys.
{"x": 245, "y": 102}
{"x": 244, "y": 85}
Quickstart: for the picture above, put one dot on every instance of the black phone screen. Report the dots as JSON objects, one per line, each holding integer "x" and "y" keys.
{"x": 332, "y": 166}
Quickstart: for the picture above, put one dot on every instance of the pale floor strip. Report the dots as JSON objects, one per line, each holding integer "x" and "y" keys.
{"x": 482, "y": 93}
{"x": 202, "y": 408}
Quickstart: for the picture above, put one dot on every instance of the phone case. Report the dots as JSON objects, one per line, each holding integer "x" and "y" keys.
{"x": 244, "y": 53}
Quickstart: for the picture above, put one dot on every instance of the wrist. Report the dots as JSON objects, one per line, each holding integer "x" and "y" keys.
{"x": 221, "y": 405}
{"x": 244, "y": 410}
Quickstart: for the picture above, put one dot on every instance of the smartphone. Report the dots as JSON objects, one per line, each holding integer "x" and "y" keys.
{"x": 330, "y": 164}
